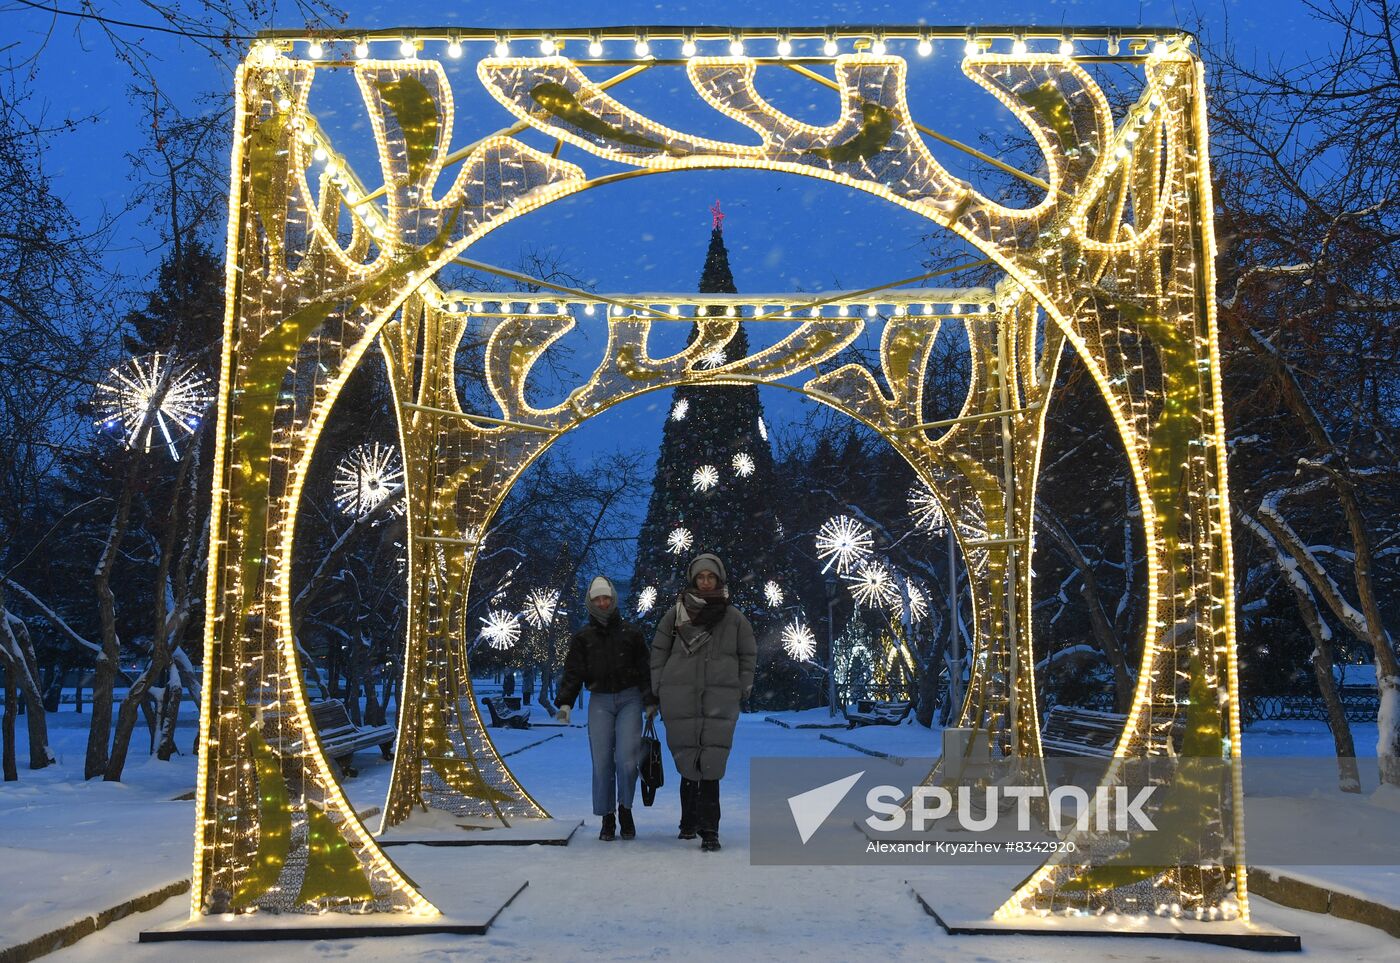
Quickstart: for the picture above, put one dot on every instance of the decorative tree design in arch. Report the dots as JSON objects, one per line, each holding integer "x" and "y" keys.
{"x": 1116, "y": 257}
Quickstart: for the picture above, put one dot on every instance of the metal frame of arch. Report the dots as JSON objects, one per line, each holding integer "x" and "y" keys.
{"x": 1114, "y": 261}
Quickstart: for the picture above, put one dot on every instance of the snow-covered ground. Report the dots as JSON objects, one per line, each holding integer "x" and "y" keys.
{"x": 69, "y": 848}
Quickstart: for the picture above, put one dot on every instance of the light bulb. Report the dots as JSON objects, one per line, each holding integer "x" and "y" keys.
{"x": 925, "y": 47}
{"x": 736, "y": 47}
{"x": 871, "y": 311}
{"x": 1159, "y": 48}
{"x": 643, "y": 48}
{"x": 319, "y": 154}
{"x": 829, "y": 48}
{"x": 1018, "y": 46}
{"x": 283, "y": 102}
{"x": 784, "y": 47}
{"x": 361, "y": 49}
{"x": 315, "y": 50}
{"x": 595, "y": 48}
{"x": 688, "y": 48}
{"x": 547, "y": 46}
{"x": 454, "y": 49}
{"x": 971, "y": 48}
{"x": 878, "y": 48}
{"x": 1066, "y": 47}
{"x": 502, "y": 48}
{"x": 407, "y": 49}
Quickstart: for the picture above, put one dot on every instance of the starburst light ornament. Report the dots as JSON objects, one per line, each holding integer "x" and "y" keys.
{"x": 712, "y": 358}
{"x": 743, "y": 464}
{"x": 500, "y": 629}
{"x": 843, "y": 542}
{"x": 131, "y": 399}
{"x": 798, "y": 641}
{"x": 680, "y": 409}
{"x": 679, "y": 541}
{"x": 647, "y": 600}
{"x": 926, "y": 509}
{"x": 918, "y": 604}
{"x": 705, "y": 478}
{"x": 872, "y": 585}
{"x": 540, "y": 606}
{"x": 773, "y": 593}
{"x": 365, "y": 477}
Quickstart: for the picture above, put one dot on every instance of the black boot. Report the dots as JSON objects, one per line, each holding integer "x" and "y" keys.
{"x": 710, "y": 843}
{"x": 624, "y": 822}
{"x": 609, "y": 831}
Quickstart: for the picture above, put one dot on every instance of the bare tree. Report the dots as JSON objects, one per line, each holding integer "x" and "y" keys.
{"x": 1308, "y": 186}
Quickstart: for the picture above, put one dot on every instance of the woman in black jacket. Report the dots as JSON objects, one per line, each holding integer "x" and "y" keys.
{"x": 611, "y": 658}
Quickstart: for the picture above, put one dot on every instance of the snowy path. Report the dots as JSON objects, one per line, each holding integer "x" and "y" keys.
{"x": 654, "y": 898}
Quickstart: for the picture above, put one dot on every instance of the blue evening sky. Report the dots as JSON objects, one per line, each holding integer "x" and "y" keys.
{"x": 783, "y": 232}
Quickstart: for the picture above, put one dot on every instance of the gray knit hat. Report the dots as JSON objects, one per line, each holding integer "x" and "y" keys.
{"x": 706, "y": 563}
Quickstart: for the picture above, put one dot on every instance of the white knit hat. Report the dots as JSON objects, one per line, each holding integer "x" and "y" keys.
{"x": 600, "y": 587}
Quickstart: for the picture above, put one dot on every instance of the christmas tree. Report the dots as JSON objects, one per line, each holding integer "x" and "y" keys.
{"x": 714, "y": 491}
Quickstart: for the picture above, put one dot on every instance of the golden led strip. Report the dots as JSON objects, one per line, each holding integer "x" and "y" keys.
{"x": 982, "y": 468}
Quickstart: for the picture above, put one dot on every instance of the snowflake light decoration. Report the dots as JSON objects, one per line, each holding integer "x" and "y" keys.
{"x": 926, "y": 509}
{"x": 540, "y": 606}
{"x": 872, "y": 585}
{"x": 647, "y": 600}
{"x": 762, "y": 429}
{"x": 773, "y": 593}
{"x": 743, "y": 464}
{"x": 798, "y": 641}
{"x": 843, "y": 542}
{"x": 712, "y": 358}
{"x": 918, "y": 604}
{"x": 500, "y": 629}
{"x": 680, "y": 409}
{"x": 365, "y": 477}
{"x": 705, "y": 478}
{"x": 679, "y": 540}
{"x": 131, "y": 399}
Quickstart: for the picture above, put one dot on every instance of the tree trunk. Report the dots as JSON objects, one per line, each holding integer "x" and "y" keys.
{"x": 105, "y": 670}
{"x": 1348, "y": 776}
{"x": 374, "y": 712}
{"x": 126, "y": 722}
{"x": 7, "y": 737}
{"x": 169, "y": 717}
{"x": 24, "y": 671}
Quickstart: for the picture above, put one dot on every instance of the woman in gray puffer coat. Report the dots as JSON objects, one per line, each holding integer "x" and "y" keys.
{"x": 702, "y": 663}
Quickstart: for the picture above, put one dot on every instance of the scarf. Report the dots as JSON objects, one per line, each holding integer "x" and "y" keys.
{"x": 697, "y": 613}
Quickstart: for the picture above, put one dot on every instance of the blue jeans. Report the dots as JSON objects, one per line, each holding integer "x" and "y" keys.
{"x": 615, "y": 736}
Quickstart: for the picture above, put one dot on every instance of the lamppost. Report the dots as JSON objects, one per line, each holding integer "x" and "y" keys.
{"x": 831, "y": 598}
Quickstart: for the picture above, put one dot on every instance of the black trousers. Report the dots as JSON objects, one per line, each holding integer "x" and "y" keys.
{"x": 700, "y": 806}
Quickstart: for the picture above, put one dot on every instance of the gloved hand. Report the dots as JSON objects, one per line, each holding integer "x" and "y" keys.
{"x": 651, "y": 712}
{"x": 562, "y": 714}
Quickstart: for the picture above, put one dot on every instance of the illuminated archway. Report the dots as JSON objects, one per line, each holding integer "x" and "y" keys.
{"x": 1117, "y": 255}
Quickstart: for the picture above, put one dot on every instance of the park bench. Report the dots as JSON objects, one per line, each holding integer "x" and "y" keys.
{"x": 507, "y": 712}
{"x": 869, "y": 712}
{"x": 1071, "y": 731}
{"x": 340, "y": 738}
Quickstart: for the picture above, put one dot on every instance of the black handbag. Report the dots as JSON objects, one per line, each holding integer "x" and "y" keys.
{"x": 651, "y": 770}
